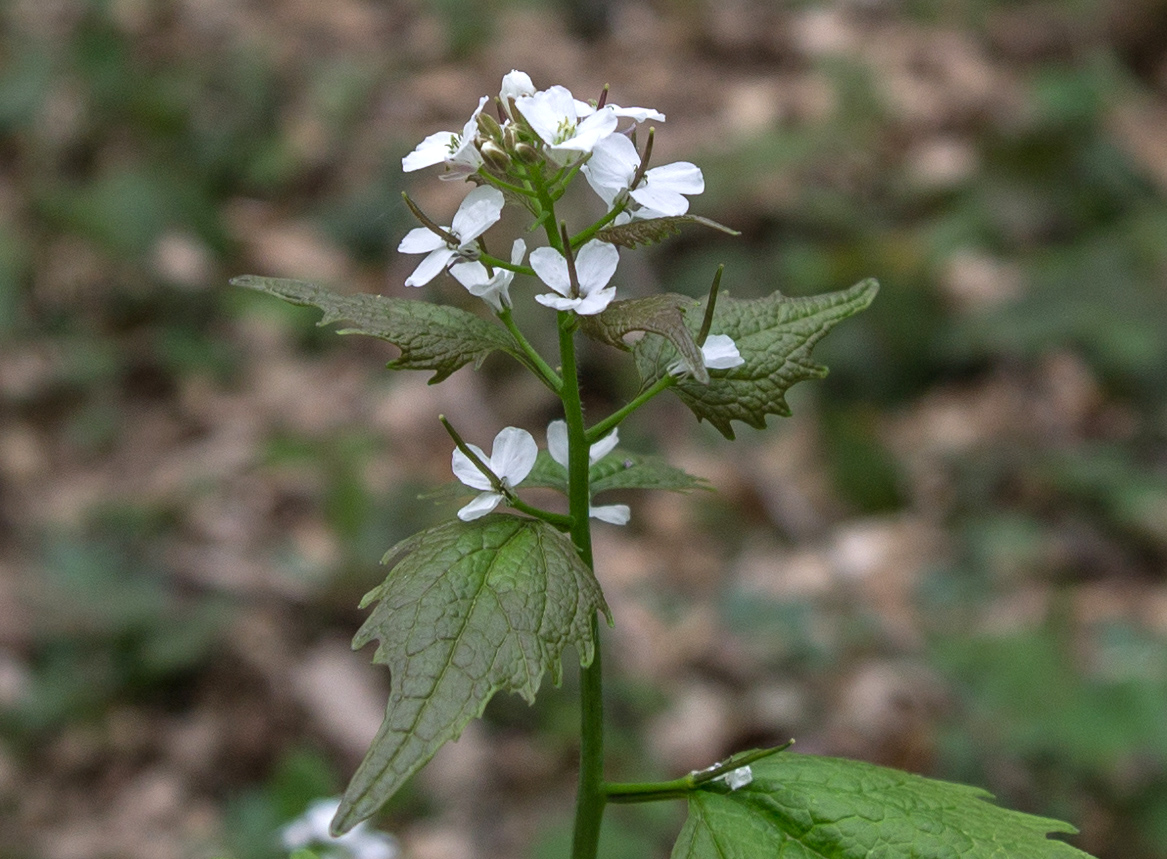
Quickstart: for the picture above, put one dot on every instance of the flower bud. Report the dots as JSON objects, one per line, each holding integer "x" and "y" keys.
{"x": 489, "y": 126}
{"x": 527, "y": 153}
{"x": 494, "y": 155}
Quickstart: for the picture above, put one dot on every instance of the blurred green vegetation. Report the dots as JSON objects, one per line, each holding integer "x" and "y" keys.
{"x": 117, "y": 137}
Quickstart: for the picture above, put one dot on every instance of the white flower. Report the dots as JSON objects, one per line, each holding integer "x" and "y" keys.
{"x": 515, "y": 85}
{"x": 493, "y": 289}
{"x": 719, "y": 352}
{"x": 511, "y": 460}
{"x": 481, "y": 208}
{"x": 661, "y": 190}
{"x": 556, "y": 117}
{"x": 595, "y": 263}
{"x": 616, "y": 514}
{"x": 456, "y": 150}
{"x": 311, "y": 829}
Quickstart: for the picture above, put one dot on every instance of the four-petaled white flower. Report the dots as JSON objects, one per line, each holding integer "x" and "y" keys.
{"x": 616, "y": 514}
{"x": 511, "y": 460}
{"x": 719, "y": 352}
{"x": 660, "y": 192}
{"x": 515, "y": 85}
{"x": 457, "y": 151}
{"x": 595, "y": 263}
{"x": 310, "y": 829}
{"x": 570, "y": 128}
{"x": 481, "y": 208}
{"x": 491, "y": 288}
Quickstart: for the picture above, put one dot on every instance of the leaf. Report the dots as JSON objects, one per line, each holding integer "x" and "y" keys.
{"x": 620, "y": 469}
{"x": 657, "y": 314}
{"x": 431, "y": 336}
{"x": 468, "y": 609}
{"x": 774, "y": 335}
{"x": 652, "y": 230}
{"x": 623, "y": 470}
{"x": 806, "y": 807}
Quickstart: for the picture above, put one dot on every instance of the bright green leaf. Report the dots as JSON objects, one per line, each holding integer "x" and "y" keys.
{"x": 774, "y": 335}
{"x": 430, "y": 336}
{"x": 657, "y": 314}
{"x": 468, "y": 609}
{"x": 806, "y": 807}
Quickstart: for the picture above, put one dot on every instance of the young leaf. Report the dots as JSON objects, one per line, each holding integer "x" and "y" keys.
{"x": 652, "y": 230}
{"x": 774, "y": 335}
{"x": 623, "y": 470}
{"x": 620, "y": 469}
{"x": 657, "y": 314}
{"x": 468, "y": 608}
{"x": 830, "y": 808}
{"x": 431, "y": 336}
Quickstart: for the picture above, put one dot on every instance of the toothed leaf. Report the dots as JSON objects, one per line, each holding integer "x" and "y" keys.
{"x": 430, "y": 336}
{"x": 468, "y": 609}
{"x": 657, "y": 314}
{"x": 652, "y": 230}
{"x": 774, "y": 336}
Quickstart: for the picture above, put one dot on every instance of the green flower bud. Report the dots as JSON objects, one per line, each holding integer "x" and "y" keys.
{"x": 494, "y": 155}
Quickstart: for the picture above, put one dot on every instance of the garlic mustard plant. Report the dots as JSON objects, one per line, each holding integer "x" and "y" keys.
{"x": 490, "y": 599}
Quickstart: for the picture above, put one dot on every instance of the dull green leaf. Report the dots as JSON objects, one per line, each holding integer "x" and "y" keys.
{"x": 430, "y": 336}
{"x": 807, "y": 807}
{"x": 620, "y": 469}
{"x": 468, "y": 609}
{"x": 774, "y": 335}
{"x": 652, "y": 230}
{"x": 657, "y": 314}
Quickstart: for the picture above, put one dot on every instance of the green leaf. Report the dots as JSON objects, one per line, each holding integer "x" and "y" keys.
{"x": 774, "y": 335}
{"x": 652, "y": 230}
{"x": 430, "y": 336}
{"x": 806, "y": 807}
{"x": 468, "y": 609}
{"x": 623, "y": 470}
{"x": 620, "y": 469}
{"x": 657, "y": 314}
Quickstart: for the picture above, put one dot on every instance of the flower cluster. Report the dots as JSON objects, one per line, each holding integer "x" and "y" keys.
{"x": 540, "y": 140}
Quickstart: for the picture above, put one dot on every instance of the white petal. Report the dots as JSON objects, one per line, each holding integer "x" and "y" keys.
{"x": 604, "y": 446}
{"x": 518, "y": 251}
{"x": 433, "y": 150}
{"x": 516, "y": 84}
{"x": 429, "y": 267}
{"x": 513, "y": 455}
{"x": 616, "y": 514}
{"x": 661, "y": 200}
{"x": 481, "y": 208}
{"x": 588, "y": 133}
{"x": 471, "y": 275}
{"x": 557, "y": 441}
{"x": 420, "y": 240}
{"x": 551, "y": 267}
{"x": 595, "y": 263}
{"x": 638, "y": 114}
{"x": 495, "y": 290}
{"x": 480, "y": 506}
{"x": 596, "y": 302}
{"x": 557, "y": 302}
{"x": 547, "y": 111}
{"x": 680, "y": 176}
{"x": 738, "y": 778}
{"x": 467, "y": 472}
{"x": 721, "y": 353}
{"x": 612, "y": 165}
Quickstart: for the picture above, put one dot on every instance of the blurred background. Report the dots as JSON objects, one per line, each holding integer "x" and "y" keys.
{"x": 951, "y": 559}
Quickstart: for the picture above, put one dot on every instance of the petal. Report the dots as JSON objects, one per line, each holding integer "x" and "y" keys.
{"x": 596, "y": 302}
{"x": 680, "y": 176}
{"x": 612, "y": 165}
{"x": 547, "y": 111}
{"x": 557, "y": 441}
{"x": 433, "y": 150}
{"x": 481, "y": 208}
{"x": 430, "y": 267}
{"x": 513, "y": 455}
{"x": 604, "y": 446}
{"x": 516, "y": 84}
{"x": 662, "y": 201}
{"x": 467, "y": 472}
{"x": 557, "y": 302}
{"x": 480, "y": 506}
{"x": 551, "y": 267}
{"x": 638, "y": 114}
{"x": 595, "y": 263}
{"x": 518, "y": 251}
{"x": 721, "y": 353}
{"x": 420, "y": 240}
{"x": 471, "y": 275}
{"x": 589, "y": 132}
{"x": 616, "y": 514}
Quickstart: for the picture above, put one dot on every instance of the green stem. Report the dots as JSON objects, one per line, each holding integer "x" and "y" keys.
{"x": 546, "y": 375}
{"x": 559, "y": 520}
{"x": 495, "y": 262}
{"x": 678, "y": 788}
{"x": 613, "y": 420}
{"x": 591, "y": 796}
